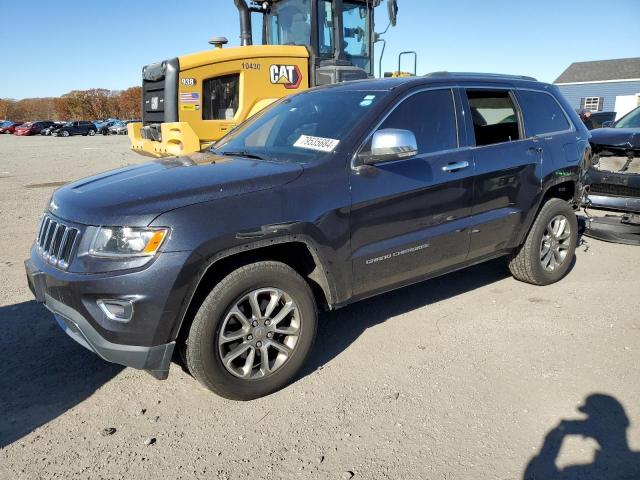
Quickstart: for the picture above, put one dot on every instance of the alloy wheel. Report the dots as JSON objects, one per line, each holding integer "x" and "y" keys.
{"x": 555, "y": 243}
{"x": 259, "y": 333}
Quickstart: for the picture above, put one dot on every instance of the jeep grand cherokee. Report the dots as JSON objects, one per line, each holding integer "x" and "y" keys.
{"x": 327, "y": 197}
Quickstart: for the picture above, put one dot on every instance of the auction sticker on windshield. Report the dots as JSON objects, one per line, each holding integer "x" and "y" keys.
{"x": 316, "y": 143}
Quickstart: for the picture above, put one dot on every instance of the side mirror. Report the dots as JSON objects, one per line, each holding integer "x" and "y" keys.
{"x": 608, "y": 123}
{"x": 390, "y": 144}
{"x": 392, "y": 9}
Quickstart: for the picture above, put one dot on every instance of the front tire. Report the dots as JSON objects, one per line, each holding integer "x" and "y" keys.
{"x": 549, "y": 249}
{"x": 65, "y": 133}
{"x": 92, "y": 133}
{"x": 253, "y": 332}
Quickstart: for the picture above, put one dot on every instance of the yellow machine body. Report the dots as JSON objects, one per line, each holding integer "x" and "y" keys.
{"x": 266, "y": 74}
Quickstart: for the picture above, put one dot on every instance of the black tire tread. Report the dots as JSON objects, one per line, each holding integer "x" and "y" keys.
{"x": 193, "y": 353}
{"x": 521, "y": 262}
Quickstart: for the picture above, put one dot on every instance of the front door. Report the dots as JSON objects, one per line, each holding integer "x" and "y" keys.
{"x": 408, "y": 217}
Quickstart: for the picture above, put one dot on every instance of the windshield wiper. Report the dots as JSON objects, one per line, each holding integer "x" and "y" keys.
{"x": 242, "y": 153}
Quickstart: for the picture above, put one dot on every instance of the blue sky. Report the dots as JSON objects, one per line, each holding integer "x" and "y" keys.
{"x": 49, "y": 48}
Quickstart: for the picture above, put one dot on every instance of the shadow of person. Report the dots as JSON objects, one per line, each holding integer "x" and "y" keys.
{"x": 607, "y": 424}
{"x": 43, "y": 372}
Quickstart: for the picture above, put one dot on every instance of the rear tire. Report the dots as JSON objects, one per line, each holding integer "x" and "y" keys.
{"x": 227, "y": 313}
{"x": 65, "y": 133}
{"x": 549, "y": 249}
{"x": 92, "y": 133}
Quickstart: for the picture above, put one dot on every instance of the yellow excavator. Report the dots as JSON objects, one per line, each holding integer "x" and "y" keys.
{"x": 189, "y": 102}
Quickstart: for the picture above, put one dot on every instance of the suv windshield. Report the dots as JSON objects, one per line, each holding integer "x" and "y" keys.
{"x": 630, "y": 120}
{"x": 282, "y": 132}
{"x": 289, "y": 23}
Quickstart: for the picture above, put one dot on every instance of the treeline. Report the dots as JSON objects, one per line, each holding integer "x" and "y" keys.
{"x": 97, "y": 103}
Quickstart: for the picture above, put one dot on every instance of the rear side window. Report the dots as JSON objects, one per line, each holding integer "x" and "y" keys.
{"x": 431, "y": 117}
{"x": 494, "y": 116}
{"x": 542, "y": 114}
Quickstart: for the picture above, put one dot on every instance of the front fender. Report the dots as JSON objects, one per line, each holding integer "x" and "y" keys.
{"x": 198, "y": 266}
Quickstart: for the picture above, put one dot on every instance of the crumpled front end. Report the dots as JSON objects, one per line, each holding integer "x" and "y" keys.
{"x": 615, "y": 173}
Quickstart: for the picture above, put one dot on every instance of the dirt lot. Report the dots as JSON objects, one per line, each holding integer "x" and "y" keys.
{"x": 460, "y": 377}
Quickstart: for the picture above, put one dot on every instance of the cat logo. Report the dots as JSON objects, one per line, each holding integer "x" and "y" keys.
{"x": 287, "y": 75}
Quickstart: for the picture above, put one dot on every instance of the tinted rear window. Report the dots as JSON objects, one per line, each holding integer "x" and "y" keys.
{"x": 542, "y": 114}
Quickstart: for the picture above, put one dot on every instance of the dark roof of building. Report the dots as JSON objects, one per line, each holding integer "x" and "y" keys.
{"x": 601, "y": 70}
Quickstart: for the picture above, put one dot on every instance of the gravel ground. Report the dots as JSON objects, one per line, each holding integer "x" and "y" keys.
{"x": 459, "y": 377}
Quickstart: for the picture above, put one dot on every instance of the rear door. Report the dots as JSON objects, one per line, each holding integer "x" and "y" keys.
{"x": 408, "y": 216}
{"x": 507, "y": 168}
{"x": 546, "y": 122}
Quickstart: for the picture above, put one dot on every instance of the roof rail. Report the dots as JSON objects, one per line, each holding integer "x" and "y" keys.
{"x": 477, "y": 74}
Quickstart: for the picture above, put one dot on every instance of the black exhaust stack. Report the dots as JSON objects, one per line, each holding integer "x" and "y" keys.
{"x": 245, "y": 22}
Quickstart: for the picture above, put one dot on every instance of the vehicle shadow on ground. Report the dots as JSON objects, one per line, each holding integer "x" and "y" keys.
{"x": 43, "y": 372}
{"x": 339, "y": 329}
{"x": 606, "y": 422}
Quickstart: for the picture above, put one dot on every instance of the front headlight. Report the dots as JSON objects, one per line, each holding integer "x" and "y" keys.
{"x": 127, "y": 242}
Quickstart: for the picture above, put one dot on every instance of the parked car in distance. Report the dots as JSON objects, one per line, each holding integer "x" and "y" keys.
{"x": 598, "y": 118}
{"x": 104, "y": 127}
{"x": 75, "y": 128}
{"x": 615, "y": 174}
{"x": 101, "y": 123}
{"x": 227, "y": 255}
{"x": 47, "y": 131}
{"x": 32, "y": 128}
{"x": 9, "y": 127}
{"x": 118, "y": 128}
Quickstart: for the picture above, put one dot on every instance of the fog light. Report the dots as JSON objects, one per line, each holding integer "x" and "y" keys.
{"x": 117, "y": 310}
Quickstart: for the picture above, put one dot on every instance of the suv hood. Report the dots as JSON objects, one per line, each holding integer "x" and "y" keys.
{"x": 616, "y": 137}
{"x": 134, "y": 196}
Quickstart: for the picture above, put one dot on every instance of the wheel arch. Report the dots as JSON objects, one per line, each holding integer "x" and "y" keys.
{"x": 297, "y": 251}
{"x": 564, "y": 188}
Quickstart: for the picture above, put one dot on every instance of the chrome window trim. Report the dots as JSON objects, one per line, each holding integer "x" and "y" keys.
{"x": 355, "y": 166}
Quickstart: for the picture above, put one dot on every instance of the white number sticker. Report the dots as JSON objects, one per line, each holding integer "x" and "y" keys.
{"x": 316, "y": 143}
{"x": 188, "y": 82}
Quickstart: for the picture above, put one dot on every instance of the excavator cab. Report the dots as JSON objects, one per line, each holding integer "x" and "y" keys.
{"x": 191, "y": 101}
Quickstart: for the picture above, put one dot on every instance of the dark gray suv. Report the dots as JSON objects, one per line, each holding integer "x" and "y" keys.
{"x": 327, "y": 197}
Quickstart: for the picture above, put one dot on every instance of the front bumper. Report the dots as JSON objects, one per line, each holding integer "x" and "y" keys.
{"x": 618, "y": 191}
{"x": 133, "y": 344}
{"x": 617, "y": 203}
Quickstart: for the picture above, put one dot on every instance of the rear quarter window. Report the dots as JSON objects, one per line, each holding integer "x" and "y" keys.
{"x": 542, "y": 113}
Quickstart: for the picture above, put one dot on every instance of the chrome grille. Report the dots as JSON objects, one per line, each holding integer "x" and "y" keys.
{"x": 56, "y": 241}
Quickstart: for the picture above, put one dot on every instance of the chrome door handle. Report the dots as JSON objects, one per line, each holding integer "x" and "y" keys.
{"x": 452, "y": 167}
